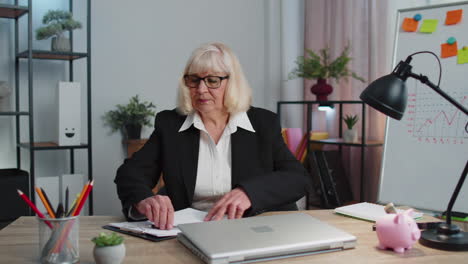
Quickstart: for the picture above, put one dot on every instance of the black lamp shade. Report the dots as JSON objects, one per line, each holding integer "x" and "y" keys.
{"x": 388, "y": 95}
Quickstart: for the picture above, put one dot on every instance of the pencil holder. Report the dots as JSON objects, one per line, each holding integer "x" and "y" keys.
{"x": 59, "y": 240}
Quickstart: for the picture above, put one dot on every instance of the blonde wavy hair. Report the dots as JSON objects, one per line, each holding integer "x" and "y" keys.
{"x": 219, "y": 58}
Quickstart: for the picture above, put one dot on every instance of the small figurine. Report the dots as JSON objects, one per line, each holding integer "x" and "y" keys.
{"x": 397, "y": 231}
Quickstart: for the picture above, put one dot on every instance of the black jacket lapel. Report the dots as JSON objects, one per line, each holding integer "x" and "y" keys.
{"x": 243, "y": 154}
{"x": 190, "y": 143}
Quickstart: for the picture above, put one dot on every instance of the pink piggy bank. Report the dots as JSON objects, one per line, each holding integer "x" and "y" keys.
{"x": 397, "y": 231}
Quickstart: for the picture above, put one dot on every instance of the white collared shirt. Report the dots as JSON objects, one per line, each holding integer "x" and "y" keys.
{"x": 214, "y": 160}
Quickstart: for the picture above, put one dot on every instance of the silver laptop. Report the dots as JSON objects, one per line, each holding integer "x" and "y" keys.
{"x": 262, "y": 238}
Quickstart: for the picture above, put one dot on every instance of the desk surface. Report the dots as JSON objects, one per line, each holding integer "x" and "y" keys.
{"x": 19, "y": 244}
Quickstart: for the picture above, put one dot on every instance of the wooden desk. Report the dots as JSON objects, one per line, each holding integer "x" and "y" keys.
{"x": 19, "y": 244}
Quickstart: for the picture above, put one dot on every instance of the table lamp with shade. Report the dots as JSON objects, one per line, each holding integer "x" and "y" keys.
{"x": 388, "y": 95}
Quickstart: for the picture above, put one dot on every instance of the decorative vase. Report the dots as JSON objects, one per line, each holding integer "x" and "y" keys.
{"x": 133, "y": 131}
{"x": 109, "y": 255}
{"x": 350, "y": 135}
{"x": 321, "y": 89}
{"x": 61, "y": 43}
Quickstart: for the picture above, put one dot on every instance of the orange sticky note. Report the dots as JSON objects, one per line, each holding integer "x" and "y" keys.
{"x": 448, "y": 50}
{"x": 453, "y": 17}
{"x": 409, "y": 24}
{"x": 462, "y": 56}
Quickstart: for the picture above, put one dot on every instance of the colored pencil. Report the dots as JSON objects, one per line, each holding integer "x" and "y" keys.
{"x": 83, "y": 199}
{"x": 59, "y": 212}
{"x": 45, "y": 202}
{"x": 47, "y": 199}
{"x": 73, "y": 205}
{"x": 81, "y": 196}
{"x": 66, "y": 200}
{"x": 33, "y": 207}
{"x": 76, "y": 212}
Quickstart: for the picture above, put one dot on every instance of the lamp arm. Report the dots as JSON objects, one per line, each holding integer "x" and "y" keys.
{"x": 425, "y": 80}
{"x": 448, "y": 213}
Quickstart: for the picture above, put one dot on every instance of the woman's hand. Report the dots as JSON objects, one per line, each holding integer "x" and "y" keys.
{"x": 158, "y": 209}
{"x": 233, "y": 203}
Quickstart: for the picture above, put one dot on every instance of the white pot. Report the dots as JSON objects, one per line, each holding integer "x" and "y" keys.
{"x": 109, "y": 255}
{"x": 350, "y": 135}
{"x": 61, "y": 44}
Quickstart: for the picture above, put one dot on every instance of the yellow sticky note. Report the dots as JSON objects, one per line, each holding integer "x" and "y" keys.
{"x": 429, "y": 25}
{"x": 462, "y": 56}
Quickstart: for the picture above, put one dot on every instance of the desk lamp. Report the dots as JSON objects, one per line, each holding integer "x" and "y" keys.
{"x": 388, "y": 95}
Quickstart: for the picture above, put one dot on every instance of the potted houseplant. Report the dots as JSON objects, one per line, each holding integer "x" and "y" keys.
{"x": 321, "y": 67}
{"x": 108, "y": 248}
{"x": 130, "y": 118}
{"x": 56, "y": 22}
{"x": 350, "y": 135}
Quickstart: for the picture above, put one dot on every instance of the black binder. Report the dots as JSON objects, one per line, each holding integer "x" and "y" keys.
{"x": 138, "y": 234}
{"x": 330, "y": 182}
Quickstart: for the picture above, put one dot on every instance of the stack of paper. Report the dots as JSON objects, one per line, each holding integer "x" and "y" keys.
{"x": 367, "y": 211}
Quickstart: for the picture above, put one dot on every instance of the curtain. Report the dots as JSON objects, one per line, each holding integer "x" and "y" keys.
{"x": 365, "y": 25}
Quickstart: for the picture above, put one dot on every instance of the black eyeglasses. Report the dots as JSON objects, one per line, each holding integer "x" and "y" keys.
{"x": 211, "y": 82}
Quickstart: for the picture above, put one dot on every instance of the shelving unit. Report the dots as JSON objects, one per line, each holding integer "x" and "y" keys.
{"x": 363, "y": 142}
{"x": 14, "y": 11}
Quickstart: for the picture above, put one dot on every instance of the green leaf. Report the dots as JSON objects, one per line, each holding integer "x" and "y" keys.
{"x": 105, "y": 240}
{"x": 56, "y": 22}
{"x": 133, "y": 113}
{"x": 350, "y": 120}
{"x": 321, "y": 66}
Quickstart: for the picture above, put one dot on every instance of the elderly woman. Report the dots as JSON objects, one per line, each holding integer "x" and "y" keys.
{"x": 215, "y": 151}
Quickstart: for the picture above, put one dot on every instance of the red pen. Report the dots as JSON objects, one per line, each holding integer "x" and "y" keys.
{"x": 33, "y": 207}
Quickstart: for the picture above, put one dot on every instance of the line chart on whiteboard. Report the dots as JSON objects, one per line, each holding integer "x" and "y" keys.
{"x": 432, "y": 119}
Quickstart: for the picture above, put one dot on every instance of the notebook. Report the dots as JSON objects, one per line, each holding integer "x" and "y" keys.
{"x": 367, "y": 211}
{"x": 146, "y": 230}
{"x": 262, "y": 238}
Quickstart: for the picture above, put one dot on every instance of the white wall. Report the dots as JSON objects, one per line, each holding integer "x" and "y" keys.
{"x": 141, "y": 48}
{"x": 138, "y": 47}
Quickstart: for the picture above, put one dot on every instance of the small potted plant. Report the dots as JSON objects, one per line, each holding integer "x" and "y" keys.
{"x": 108, "y": 248}
{"x": 130, "y": 118}
{"x": 56, "y": 22}
{"x": 350, "y": 135}
{"x": 321, "y": 67}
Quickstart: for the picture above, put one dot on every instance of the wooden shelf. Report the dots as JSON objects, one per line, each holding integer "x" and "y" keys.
{"x": 340, "y": 141}
{"x": 50, "y": 145}
{"x": 52, "y": 55}
{"x": 12, "y": 11}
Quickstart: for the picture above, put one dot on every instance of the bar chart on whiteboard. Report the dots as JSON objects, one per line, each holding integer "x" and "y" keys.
{"x": 431, "y": 120}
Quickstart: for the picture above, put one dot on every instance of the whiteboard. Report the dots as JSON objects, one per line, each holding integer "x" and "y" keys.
{"x": 425, "y": 152}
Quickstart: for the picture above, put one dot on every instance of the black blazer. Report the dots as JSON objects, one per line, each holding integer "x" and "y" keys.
{"x": 261, "y": 164}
